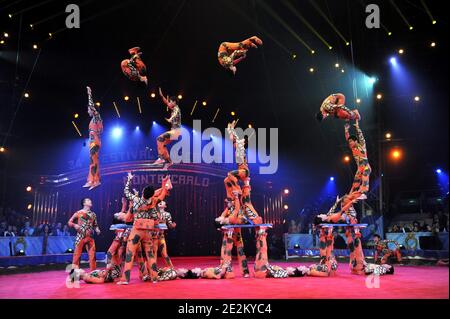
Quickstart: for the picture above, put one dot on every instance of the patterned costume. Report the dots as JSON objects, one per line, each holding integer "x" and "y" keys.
{"x": 360, "y": 185}
{"x": 95, "y": 131}
{"x": 159, "y": 240}
{"x": 232, "y": 237}
{"x": 145, "y": 215}
{"x": 334, "y": 105}
{"x": 231, "y": 53}
{"x": 87, "y": 221}
{"x": 166, "y": 138}
{"x": 134, "y": 68}
{"x": 382, "y": 249}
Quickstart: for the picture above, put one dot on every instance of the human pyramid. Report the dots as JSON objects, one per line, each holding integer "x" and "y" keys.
{"x": 140, "y": 225}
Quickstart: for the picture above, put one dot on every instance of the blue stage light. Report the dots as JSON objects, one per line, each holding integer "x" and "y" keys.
{"x": 372, "y": 80}
{"x": 439, "y": 171}
{"x": 117, "y": 132}
{"x": 331, "y": 178}
{"x": 137, "y": 128}
{"x": 393, "y": 61}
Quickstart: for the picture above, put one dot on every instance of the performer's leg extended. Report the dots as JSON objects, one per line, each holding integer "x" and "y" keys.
{"x": 163, "y": 251}
{"x": 134, "y": 239}
{"x": 90, "y": 245}
{"x": 163, "y": 140}
{"x": 261, "y": 259}
{"x": 226, "y": 254}
{"x": 242, "y": 259}
{"x": 94, "y": 166}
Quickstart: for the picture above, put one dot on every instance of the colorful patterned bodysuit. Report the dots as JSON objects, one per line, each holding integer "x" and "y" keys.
{"x": 334, "y": 105}
{"x": 231, "y": 53}
{"x": 166, "y": 138}
{"x": 95, "y": 131}
{"x": 87, "y": 220}
{"x": 361, "y": 181}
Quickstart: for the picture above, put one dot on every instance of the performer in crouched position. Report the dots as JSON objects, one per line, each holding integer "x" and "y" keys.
{"x": 231, "y": 53}
{"x": 334, "y": 105}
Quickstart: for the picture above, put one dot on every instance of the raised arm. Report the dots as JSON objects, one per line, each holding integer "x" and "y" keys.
{"x": 165, "y": 100}
{"x": 347, "y": 131}
{"x": 128, "y": 194}
{"x": 161, "y": 193}
{"x": 91, "y": 104}
{"x": 360, "y": 134}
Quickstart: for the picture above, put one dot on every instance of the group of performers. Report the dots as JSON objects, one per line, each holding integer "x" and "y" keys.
{"x": 143, "y": 218}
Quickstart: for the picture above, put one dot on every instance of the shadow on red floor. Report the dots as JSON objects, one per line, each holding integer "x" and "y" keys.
{"x": 415, "y": 282}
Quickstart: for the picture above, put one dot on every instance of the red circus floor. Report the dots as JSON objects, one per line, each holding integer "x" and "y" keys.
{"x": 415, "y": 282}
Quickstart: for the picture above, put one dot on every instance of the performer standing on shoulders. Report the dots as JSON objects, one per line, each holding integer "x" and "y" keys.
{"x": 357, "y": 144}
{"x": 85, "y": 225}
{"x": 166, "y": 138}
{"x": 95, "y": 131}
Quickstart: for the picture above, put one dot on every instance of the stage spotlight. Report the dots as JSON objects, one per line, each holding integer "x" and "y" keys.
{"x": 286, "y": 191}
{"x": 296, "y": 246}
{"x": 346, "y": 158}
{"x": 389, "y": 33}
{"x": 311, "y": 70}
{"x": 153, "y": 95}
{"x": 137, "y": 128}
{"x": 358, "y": 101}
{"x": 379, "y": 96}
{"x": 5, "y": 34}
{"x": 180, "y": 97}
{"x": 433, "y": 44}
{"x": 372, "y": 80}
{"x": 393, "y": 60}
{"x": 411, "y": 27}
{"x": 10, "y": 16}
{"x": 26, "y": 95}
{"x": 401, "y": 51}
{"x": 286, "y": 207}
{"x": 250, "y": 126}
{"x": 347, "y": 43}
{"x": 233, "y": 113}
{"x": 294, "y": 56}
{"x": 342, "y": 70}
{"x": 154, "y": 123}
{"x": 50, "y": 34}
{"x": 434, "y": 22}
{"x": 331, "y": 179}
{"x": 396, "y": 154}
{"x": 388, "y": 136}
{"x": 117, "y": 132}
{"x": 35, "y": 46}
{"x": 30, "y": 206}
{"x": 2, "y": 42}
{"x": 97, "y": 104}
{"x": 330, "y": 48}
{"x": 417, "y": 98}
{"x": 29, "y": 188}
{"x": 2, "y": 149}
{"x": 69, "y": 251}
{"x": 204, "y": 103}
{"x": 336, "y": 65}
{"x": 76, "y": 115}
{"x": 313, "y": 52}
{"x": 439, "y": 171}
{"x": 126, "y": 98}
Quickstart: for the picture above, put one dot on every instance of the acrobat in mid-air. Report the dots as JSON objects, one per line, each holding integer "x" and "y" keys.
{"x": 134, "y": 68}
{"x": 231, "y": 53}
{"x": 334, "y": 105}
{"x": 175, "y": 131}
{"x": 95, "y": 131}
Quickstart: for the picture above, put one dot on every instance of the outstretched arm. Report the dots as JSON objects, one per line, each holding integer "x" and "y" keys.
{"x": 165, "y": 100}
{"x": 347, "y": 131}
{"x": 361, "y": 138}
{"x": 160, "y": 194}
{"x": 128, "y": 194}
{"x": 91, "y": 105}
